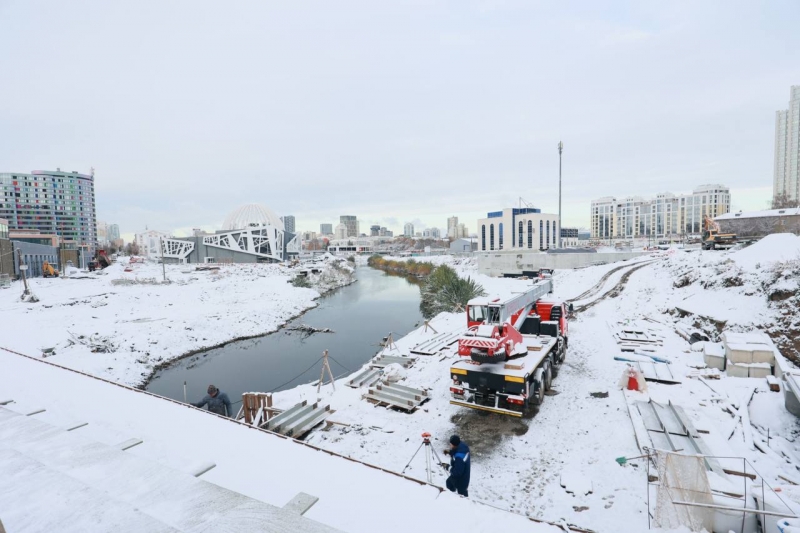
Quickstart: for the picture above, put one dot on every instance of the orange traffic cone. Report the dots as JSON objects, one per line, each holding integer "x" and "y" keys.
{"x": 633, "y": 383}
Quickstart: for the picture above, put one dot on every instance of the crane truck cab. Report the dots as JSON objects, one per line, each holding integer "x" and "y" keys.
{"x": 510, "y": 358}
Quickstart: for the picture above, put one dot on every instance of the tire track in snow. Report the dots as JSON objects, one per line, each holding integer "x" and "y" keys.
{"x": 613, "y": 291}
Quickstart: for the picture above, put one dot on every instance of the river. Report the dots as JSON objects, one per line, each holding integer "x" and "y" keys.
{"x": 360, "y": 315}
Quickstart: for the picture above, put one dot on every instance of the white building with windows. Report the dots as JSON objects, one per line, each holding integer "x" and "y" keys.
{"x": 786, "y": 174}
{"x": 432, "y": 233}
{"x": 525, "y": 228}
{"x": 408, "y": 230}
{"x": 663, "y": 217}
{"x": 340, "y": 232}
{"x": 149, "y": 243}
{"x": 452, "y": 227}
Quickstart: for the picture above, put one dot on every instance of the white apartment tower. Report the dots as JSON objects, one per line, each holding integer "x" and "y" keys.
{"x": 786, "y": 179}
{"x": 666, "y": 215}
{"x": 452, "y": 227}
{"x": 408, "y": 230}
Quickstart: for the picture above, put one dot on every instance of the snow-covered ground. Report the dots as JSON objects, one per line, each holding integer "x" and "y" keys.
{"x": 574, "y": 439}
{"x": 523, "y": 465}
{"x": 122, "y": 325}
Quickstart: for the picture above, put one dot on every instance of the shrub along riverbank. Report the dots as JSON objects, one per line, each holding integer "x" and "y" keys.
{"x": 406, "y": 268}
{"x": 443, "y": 290}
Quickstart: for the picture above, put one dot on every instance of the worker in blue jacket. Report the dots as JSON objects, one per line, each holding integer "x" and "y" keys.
{"x": 217, "y": 401}
{"x": 459, "y": 466}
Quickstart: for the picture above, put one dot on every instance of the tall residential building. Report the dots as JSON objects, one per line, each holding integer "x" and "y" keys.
{"x": 452, "y": 227}
{"x": 113, "y": 233}
{"x": 374, "y": 230}
{"x": 102, "y": 233}
{"x": 432, "y": 233}
{"x": 786, "y": 178}
{"x": 326, "y": 229}
{"x": 288, "y": 223}
{"x": 60, "y": 203}
{"x": 340, "y": 232}
{"x": 351, "y": 222}
{"x": 523, "y": 228}
{"x": 666, "y": 215}
{"x": 408, "y": 230}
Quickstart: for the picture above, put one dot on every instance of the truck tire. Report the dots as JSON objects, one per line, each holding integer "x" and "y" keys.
{"x": 548, "y": 378}
{"x": 538, "y": 397}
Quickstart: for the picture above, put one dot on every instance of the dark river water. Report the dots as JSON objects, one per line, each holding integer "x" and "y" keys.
{"x": 360, "y": 314}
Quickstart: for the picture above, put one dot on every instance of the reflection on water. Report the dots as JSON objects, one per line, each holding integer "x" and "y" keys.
{"x": 360, "y": 314}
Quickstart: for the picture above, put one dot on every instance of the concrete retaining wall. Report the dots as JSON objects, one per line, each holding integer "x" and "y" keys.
{"x": 497, "y": 264}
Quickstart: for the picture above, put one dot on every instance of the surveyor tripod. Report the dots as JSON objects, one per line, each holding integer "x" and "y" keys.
{"x": 430, "y": 453}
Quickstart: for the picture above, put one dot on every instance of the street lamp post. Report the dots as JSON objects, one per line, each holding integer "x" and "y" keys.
{"x": 560, "y": 149}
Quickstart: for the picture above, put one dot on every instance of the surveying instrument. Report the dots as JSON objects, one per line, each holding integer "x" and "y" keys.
{"x": 429, "y": 454}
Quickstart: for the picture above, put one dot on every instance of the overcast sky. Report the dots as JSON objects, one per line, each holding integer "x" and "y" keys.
{"x": 392, "y": 111}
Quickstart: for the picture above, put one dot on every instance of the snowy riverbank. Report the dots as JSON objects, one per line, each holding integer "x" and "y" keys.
{"x": 529, "y": 465}
{"x": 123, "y": 325}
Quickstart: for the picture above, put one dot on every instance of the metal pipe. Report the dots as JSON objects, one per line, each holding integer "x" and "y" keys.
{"x": 560, "y": 148}
{"x": 737, "y": 509}
{"x": 184, "y": 392}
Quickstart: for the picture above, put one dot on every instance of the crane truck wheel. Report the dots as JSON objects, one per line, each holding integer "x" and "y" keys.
{"x": 538, "y": 385}
{"x": 548, "y": 378}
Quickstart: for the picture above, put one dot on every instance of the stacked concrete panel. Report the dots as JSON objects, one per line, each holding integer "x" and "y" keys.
{"x": 714, "y": 355}
{"x": 748, "y": 354}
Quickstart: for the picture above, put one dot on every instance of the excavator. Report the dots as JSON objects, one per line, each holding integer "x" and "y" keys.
{"x": 49, "y": 271}
{"x": 712, "y": 238}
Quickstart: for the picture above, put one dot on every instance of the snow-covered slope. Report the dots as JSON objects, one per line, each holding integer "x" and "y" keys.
{"x": 121, "y": 325}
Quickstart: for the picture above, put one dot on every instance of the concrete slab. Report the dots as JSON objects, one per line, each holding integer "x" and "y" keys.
{"x": 301, "y": 503}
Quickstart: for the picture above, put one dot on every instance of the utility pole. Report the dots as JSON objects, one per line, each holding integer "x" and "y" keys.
{"x": 22, "y": 268}
{"x": 560, "y": 149}
{"x": 163, "y": 265}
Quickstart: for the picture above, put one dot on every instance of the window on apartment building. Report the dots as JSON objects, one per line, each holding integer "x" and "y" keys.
{"x": 541, "y": 235}
{"x": 500, "y": 236}
{"x": 547, "y": 240}
{"x": 491, "y": 236}
{"x": 530, "y": 234}
{"x": 519, "y": 235}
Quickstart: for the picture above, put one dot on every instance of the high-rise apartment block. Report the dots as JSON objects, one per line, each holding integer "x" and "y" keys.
{"x": 452, "y": 227}
{"x": 288, "y": 223}
{"x": 56, "y": 203}
{"x": 340, "y": 232}
{"x": 786, "y": 178}
{"x": 351, "y": 223}
{"x": 113, "y": 233}
{"x": 666, "y": 215}
{"x": 408, "y": 230}
{"x": 326, "y": 229}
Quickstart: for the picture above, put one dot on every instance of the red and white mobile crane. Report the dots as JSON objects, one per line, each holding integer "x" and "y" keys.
{"x": 515, "y": 347}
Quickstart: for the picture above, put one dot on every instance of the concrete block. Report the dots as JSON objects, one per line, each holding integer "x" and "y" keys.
{"x": 739, "y": 353}
{"x": 760, "y": 370}
{"x": 735, "y": 370}
{"x": 763, "y": 353}
{"x": 714, "y": 361}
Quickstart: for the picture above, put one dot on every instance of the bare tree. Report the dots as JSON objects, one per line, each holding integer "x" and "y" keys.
{"x": 132, "y": 248}
{"x": 783, "y": 201}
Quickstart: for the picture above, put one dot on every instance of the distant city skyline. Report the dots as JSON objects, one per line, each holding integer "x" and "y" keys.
{"x": 427, "y": 111}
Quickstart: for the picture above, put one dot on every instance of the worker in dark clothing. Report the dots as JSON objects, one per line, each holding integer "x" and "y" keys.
{"x": 218, "y": 402}
{"x": 459, "y": 466}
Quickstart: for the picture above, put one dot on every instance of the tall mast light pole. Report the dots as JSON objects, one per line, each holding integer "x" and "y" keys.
{"x": 560, "y": 149}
